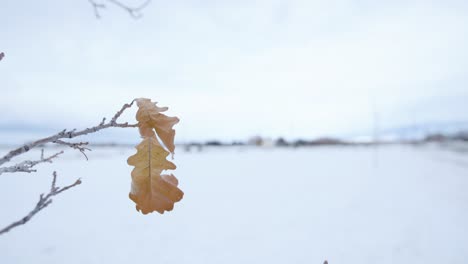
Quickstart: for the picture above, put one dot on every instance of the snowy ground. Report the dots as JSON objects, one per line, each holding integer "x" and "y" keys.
{"x": 347, "y": 205}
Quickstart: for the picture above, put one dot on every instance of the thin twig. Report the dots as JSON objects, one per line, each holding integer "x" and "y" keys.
{"x": 78, "y": 146}
{"x": 119, "y": 113}
{"x": 26, "y": 166}
{"x": 43, "y": 202}
{"x": 96, "y": 8}
{"x": 70, "y": 134}
{"x": 134, "y": 12}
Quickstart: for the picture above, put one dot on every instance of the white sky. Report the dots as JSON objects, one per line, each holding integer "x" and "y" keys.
{"x": 234, "y": 69}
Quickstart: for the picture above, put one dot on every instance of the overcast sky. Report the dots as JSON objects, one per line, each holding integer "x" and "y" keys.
{"x": 233, "y": 69}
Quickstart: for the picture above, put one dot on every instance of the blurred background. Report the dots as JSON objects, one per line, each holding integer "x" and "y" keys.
{"x": 310, "y": 130}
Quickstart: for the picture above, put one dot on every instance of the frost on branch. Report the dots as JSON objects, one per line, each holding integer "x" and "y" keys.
{"x": 44, "y": 201}
{"x": 150, "y": 190}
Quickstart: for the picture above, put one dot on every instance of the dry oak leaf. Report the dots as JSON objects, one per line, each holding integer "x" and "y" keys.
{"x": 149, "y": 117}
{"x": 150, "y": 190}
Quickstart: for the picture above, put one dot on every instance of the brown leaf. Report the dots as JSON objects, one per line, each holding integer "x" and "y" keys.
{"x": 149, "y": 117}
{"x": 150, "y": 190}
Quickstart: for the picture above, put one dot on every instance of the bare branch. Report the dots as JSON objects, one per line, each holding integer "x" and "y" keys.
{"x": 26, "y": 166}
{"x": 96, "y": 8}
{"x": 103, "y": 121}
{"x": 78, "y": 146}
{"x": 70, "y": 134}
{"x": 119, "y": 113}
{"x": 134, "y": 12}
{"x": 43, "y": 202}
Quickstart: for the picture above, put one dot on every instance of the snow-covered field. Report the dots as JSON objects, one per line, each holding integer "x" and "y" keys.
{"x": 347, "y": 205}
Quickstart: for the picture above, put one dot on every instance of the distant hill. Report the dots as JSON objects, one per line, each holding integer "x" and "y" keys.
{"x": 19, "y": 133}
{"x": 419, "y": 131}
